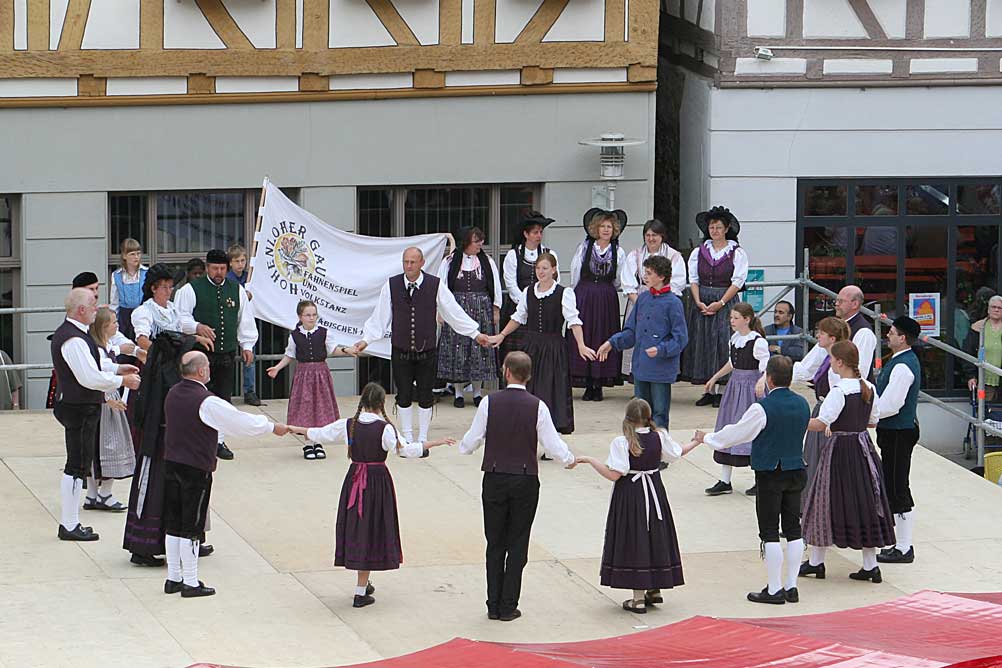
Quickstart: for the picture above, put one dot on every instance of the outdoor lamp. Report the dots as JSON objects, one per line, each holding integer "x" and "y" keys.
{"x": 612, "y": 158}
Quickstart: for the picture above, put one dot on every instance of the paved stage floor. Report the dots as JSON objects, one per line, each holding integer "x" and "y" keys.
{"x": 281, "y": 603}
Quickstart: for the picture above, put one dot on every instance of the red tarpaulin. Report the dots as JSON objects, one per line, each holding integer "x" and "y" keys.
{"x": 924, "y": 630}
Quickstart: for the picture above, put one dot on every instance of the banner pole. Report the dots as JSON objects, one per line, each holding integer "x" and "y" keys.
{"x": 257, "y": 227}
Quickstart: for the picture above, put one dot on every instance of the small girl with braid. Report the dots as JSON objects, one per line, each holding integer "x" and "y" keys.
{"x": 367, "y": 533}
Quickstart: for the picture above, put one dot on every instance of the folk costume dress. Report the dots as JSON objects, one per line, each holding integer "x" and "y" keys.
{"x": 635, "y": 265}
{"x": 815, "y": 368}
{"x": 543, "y": 315}
{"x": 641, "y": 546}
{"x": 367, "y": 531}
{"x": 114, "y": 456}
{"x": 126, "y": 296}
{"x": 519, "y": 269}
{"x": 475, "y": 282}
{"x": 312, "y": 403}
{"x": 846, "y": 504}
{"x": 749, "y": 355}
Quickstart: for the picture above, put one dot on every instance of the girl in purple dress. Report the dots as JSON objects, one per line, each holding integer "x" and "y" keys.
{"x": 312, "y": 403}
{"x": 367, "y": 532}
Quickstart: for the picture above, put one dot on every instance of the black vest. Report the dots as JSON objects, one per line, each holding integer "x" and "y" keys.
{"x": 311, "y": 348}
{"x": 414, "y": 327}
{"x": 744, "y": 358}
{"x": 68, "y": 390}
{"x": 546, "y": 315}
{"x": 510, "y": 445}
{"x": 187, "y": 439}
{"x": 525, "y": 271}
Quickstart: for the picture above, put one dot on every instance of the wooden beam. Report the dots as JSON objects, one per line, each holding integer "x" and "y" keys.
{"x": 450, "y": 21}
{"x": 393, "y": 22}
{"x": 90, "y": 86}
{"x": 151, "y": 25}
{"x": 316, "y": 25}
{"x": 285, "y": 24}
{"x": 71, "y": 39}
{"x": 200, "y": 84}
{"x": 38, "y": 25}
{"x": 429, "y": 79}
{"x": 869, "y": 20}
{"x": 615, "y": 20}
{"x": 312, "y": 82}
{"x": 536, "y": 76}
{"x": 484, "y": 21}
{"x": 541, "y": 22}
{"x": 915, "y": 19}
{"x": 6, "y": 26}
{"x": 644, "y": 24}
{"x": 224, "y": 25}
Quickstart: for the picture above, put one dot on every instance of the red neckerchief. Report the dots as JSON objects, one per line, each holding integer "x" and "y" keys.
{"x": 666, "y": 289}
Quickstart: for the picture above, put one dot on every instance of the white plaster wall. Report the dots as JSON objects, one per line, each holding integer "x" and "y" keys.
{"x": 857, "y": 66}
{"x": 589, "y": 75}
{"x": 483, "y": 78}
{"x": 766, "y": 18}
{"x": 891, "y": 15}
{"x": 993, "y": 23}
{"x": 947, "y": 18}
{"x": 147, "y": 86}
{"x": 112, "y": 24}
{"x": 185, "y": 27}
{"x": 694, "y": 130}
{"x": 38, "y": 87}
{"x": 467, "y": 30}
{"x": 707, "y": 19}
{"x": 353, "y": 23}
{"x": 256, "y": 19}
{"x": 510, "y": 18}
{"x": 57, "y": 13}
{"x": 581, "y": 21}
{"x": 20, "y": 24}
{"x": 256, "y": 84}
{"x": 299, "y": 24}
{"x": 831, "y": 18}
{"x": 422, "y": 17}
{"x": 372, "y": 81}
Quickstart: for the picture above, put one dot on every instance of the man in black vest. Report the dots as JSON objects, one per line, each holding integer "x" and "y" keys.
{"x": 193, "y": 417}
{"x": 776, "y": 426}
{"x": 406, "y": 313}
{"x": 511, "y": 422}
{"x": 81, "y": 381}
{"x": 219, "y": 310}
{"x": 847, "y": 307}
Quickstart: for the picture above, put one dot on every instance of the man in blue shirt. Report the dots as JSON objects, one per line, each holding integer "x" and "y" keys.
{"x": 782, "y": 324}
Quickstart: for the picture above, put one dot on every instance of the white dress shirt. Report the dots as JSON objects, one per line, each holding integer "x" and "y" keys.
{"x": 510, "y": 267}
{"x": 866, "y": 344}
{"x": 469, "y": 264}
{"x": 224, "y": 417}
{"x": 833, "y": 404}
{"x": 760, "y": 350}
{"x": 150, "y": 319}
{"x": 744, "y": 430}
{"x": 126, "y": 279}
{"x": 619, "y": 451}
{"x": 290, "y": 347}
{"x": 740, "y": 259}
{"x": 893, "y": 398}
{"x": 635, "y": 260}
{"x": 804, "y": 370}
{"x": 102, "y": 376}
{"x": 547, "y": 434}
{"x": 246, "y": 328}
{"x": 380, "y": 323}
{"x": 337, "y": 432}
{"x": 568, "y": 305}
{"x": 625, "y": 279}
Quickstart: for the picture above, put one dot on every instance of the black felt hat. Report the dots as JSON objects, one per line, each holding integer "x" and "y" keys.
{"x": 724, "y": 215}
{"x": 155, "y": 274}
{"x": 530, "y": 219}
{"x": 618, "y": 214}
{"x": 907, "y": 326}
{"x": 216, "y": 256}
{"x": 85, "y": 278}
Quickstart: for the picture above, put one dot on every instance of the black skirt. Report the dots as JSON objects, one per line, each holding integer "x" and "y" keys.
{"x": 144, "y": 534}
{"x": 641, "y": 551}
{"x": 551, "y": 377}
{"x": 367, "y": 535}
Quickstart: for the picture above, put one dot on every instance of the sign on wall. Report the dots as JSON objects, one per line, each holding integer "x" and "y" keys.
{"x": 755, "y": 297}
{"x": 923, "y": 308}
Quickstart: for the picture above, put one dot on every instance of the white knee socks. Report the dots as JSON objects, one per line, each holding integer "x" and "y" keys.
{"x": 477, "y": 387}
{"x": 189, "y": 561}
{"x": 794, "y": 555}
{"x": 869, "y": 558}
{"x": 173, "y": 548}
{"x": 424, "y": 422}
{"x": 903, "y": 525}
{"x": 405, "y": 418}
{"x": 92, "y": 488}
{"x": 774, "y": 565}
{"x": 817, "y": 555}
{"x": 725, "y": 473}
{"x": 69, "y": 495}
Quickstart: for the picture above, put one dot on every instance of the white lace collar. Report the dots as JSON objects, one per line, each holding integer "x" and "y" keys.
{"x": 739, "y": 340}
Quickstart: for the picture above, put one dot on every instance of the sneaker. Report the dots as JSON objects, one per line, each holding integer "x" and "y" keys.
{"x": 720, "y": 488}
{"x": 705, "y": 400}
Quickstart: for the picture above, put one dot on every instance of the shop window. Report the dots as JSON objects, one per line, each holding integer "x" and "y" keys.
{"x": 925, "y": 263}
{"x": 826, "y": 200}
{"x": 927, "y": 200}
{"x": 447, "y": 210}
{"x": 977, "y": 280}
{"x": 879, "y": 200}
{"x": 827, "y": 250}
{"x": 983, "y": 199}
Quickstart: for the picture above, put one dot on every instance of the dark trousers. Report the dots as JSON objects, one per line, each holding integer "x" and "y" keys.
{"x": 510, "y": 502}
{"x": 186, "y": 500}
{"x": 778, "y": 499}
{"x": 81, "y": 423}
{"x": 409, "y": 367}
{"x": 896, "y": 447}
{"x": 221, "y": 375}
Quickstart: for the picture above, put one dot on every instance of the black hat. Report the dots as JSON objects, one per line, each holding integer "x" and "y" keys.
{"x": 83, "y": 279}
{"x": 216, "y": 256}
{"x": 907, "y": 326}
{"x": 155, "y": 274}
{"x": 619, "y": 214}
{"x": 722, "y": 214}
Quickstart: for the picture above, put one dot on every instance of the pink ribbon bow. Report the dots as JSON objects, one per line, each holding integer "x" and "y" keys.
{"x": 359, "y": 481}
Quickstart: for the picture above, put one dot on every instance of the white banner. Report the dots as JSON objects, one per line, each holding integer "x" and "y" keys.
{"x": 300, "y": 257}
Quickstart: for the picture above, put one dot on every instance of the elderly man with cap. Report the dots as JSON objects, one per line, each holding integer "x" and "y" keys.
{"x": 193, "y": 416}
{"x": 897, "y": 432}
{"x": 218, "y": 309}
{"x": 82, "y": 380}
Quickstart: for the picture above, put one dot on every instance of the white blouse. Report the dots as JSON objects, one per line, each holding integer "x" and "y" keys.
{"x": 619, "y": 450}
{"x": 568, "y": 305}
{"x": 677, "y": 280}
{"x": 510, "y": 269}
{"x": 337, "y": 432}
{"x": 149, "y": 319}
{"x": 290, "y": 347}
{"x": 804, "y": 370}
{"x": 761, "y": 350}
{"x": 740, "y": 274}
{"x": 625, "y": 280}
{"x": 833, "y": 404}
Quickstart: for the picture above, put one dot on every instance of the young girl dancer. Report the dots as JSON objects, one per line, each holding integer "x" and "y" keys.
{"x": 126, "y": 286}
{"x": 846, "y": 503}
{"x": 312, "y": 403}
{"x": 749, "y": 354}
{"x": 367, "y": 533}
{"x": 641, "y": 548}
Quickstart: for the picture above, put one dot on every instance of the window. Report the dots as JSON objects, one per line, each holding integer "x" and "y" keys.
{"x": 9, "y": 278}
{"x": 904, "y": 236}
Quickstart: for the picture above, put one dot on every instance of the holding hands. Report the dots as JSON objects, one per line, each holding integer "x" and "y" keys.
{"x": 495, "y": 341}
{"x": 603, "y": 351}
{"x": 588, "y": 354}
{"x": 280, "y": 429}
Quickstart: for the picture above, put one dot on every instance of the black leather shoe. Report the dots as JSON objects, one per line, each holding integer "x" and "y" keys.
{"x": 205, "y": 550}
{"x": 250, "y": 398}
{"x": 477, "y": 399}
{"x": 79, "y": 533}
{"x": 597, "y": 394}
{"x": 223, "y": 452}
{"x": 587, "y": 396}
{"x": 492, "y": 614}
{"x": 369, "y": 589}
{"x": 705, "y": 400}
{"x": 662, "y": 466}
{"x": 545, "y": 458}
{"x": 511, "y": 615}
{"x": 171, "y": 587}
{"x": 720, "y": 488}
{"x": 459, "y": 402}
{"x": 716, "y": 400}
{"x": 779, "y": 598}
{"x": 873, "y": 575}
{"x": 752, "y": 491}
{"x": 362, "y": 601}
{"x": 196, "y": 592}
{"x": 792, "y": 595}
{"x": 817, "y": 571}
{"x": 896, "y": 556}
{"x": 425, "y": 453}
{"x": 145, "y": 560}
{"x": 653, "y": 596}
